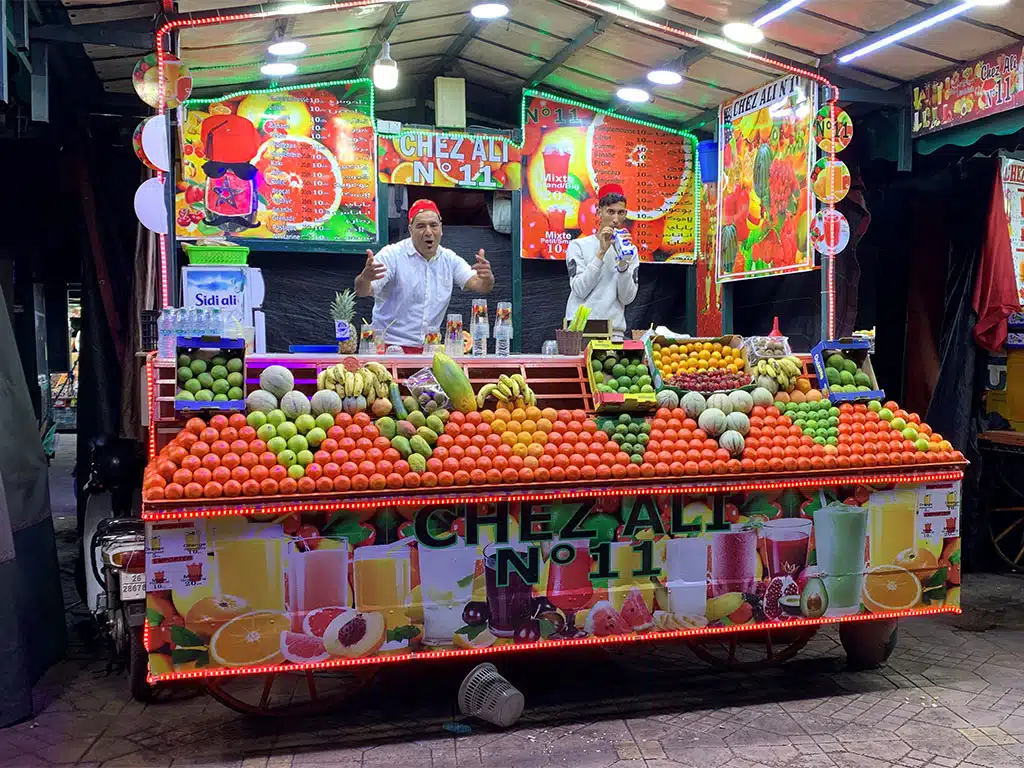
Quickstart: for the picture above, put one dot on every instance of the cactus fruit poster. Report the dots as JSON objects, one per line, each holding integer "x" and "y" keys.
{"x": 238, "y": 594}
{"x": 765, "y": 204}
{"x": 280, "y": 164}
{"x": 569, "y": 152}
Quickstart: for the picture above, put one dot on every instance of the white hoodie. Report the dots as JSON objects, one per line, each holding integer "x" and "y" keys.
{"x": 598, "y": 284}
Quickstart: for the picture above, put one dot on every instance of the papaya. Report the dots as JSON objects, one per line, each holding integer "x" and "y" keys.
{"x": 454, "y": 382}
{"x": 417, "y": 419}
{"x": 387, "y": 427}
{"x": 401, "y": 444}
{"x": 427, "y": 434}
{"x": 420, "y": 446}
{"x": 435, "y": 423}
{"x": 396, "y": 400}
{"x": 405, "y": 429}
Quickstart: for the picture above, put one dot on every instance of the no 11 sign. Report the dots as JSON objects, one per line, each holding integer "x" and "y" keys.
{"x": 431, "y": 159}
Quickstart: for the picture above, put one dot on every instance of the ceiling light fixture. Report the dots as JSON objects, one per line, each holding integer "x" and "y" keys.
{"x": 776, "y": 12}
{"x": 648, "y": 5}
{"x": 913, "y": 29}
{"x": 664, "y": 77}
{"x": 741, "y": 32}
{"x": 385, "y": 70}
{"x": 487, "y": 11}
{"x": 278, "y": 69}
{"x": 632, "y": 94}
{"x": 293, "y": 8}
{"x": 286, "y": 48}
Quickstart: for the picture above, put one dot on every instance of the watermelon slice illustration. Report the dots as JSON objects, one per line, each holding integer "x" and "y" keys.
{"x": 604, "y": 620}
{"x": 635, "y": 612}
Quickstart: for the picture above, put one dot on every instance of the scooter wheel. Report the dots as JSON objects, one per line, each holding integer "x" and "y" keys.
{"x": 138, "y": 666}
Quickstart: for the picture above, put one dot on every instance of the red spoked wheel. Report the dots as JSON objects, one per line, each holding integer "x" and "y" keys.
{"x": 290, "y": 694}
{"x": 756, "y": 648}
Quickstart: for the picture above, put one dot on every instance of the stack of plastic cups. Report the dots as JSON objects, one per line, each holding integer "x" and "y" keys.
{"x": 479, "y": 327}
{"x": 503, "y": 329}
{"x": 367, "y": 340}
{"x": 454, "y": 346}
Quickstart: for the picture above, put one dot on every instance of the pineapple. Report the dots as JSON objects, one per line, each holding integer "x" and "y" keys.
{"x": 343, "y": 309}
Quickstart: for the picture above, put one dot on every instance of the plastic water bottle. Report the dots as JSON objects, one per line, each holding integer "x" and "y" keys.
{"x": 479, "y": 340}
{"x": 167, "y": 333}
{"x": 502, "y": 342}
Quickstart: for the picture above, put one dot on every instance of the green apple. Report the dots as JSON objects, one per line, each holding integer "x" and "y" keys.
{"x": 266, "y": 432}
{"x": 304, "y": 422}
{"x": 875, "y": 406}
{"x": 295, "y": 471}
{"x": 885, "y": 414}
{"x": 277, "y": 417}
{"x": 297, "y": 443}
{"x": 287, "y": 430}
{"x": 257, "y": 419}
{"x": 315, "y": 436}
{"x": 286, "y": 458}
{"x": 277, "y": 444}
{"x": 922, "y": 444}
{"x": 325, "y": 421}
{"x": 899, "y": 424}
{"x": 910, "y": 434}
{"x": 305, "y": 458}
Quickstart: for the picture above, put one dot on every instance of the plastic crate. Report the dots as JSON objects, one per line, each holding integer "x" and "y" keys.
{"x": 149, "y": 329}
{"x": 734, "y": 341}
{"x": 206, "y": 348}
{"x": 615, "y": 402}
{"x": 216, "y": 254}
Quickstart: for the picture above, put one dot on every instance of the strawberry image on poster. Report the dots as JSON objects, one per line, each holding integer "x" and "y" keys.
{"x": 300, "y": 181}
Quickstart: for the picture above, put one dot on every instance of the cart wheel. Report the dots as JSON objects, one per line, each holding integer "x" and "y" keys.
{"x": 762, "y": 647}
{"x": 138, "y": 666}
{"x": 1006, "y": 532}
{"x": 868, "y": 644}
{"x": 289, "y": 694}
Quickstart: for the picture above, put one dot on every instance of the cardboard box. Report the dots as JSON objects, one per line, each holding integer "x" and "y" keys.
{"x": 733, "y": 340}
{"x": 860, "y": 351}
{"x": 609, "y": 402}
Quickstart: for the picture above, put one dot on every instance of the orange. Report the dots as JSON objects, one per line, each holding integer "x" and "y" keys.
{"x": 524, "y": 438}
{"x": 502, "y": 413}
{"x": 890, "y": 588}
{"x": 535, "y": 449}
{"x": 509, "y": 438}
{"x": 518, "y": 414}
{"x": 520, "y": 449}
{"x": 533, "y": 412}
{"x": 487, "y": 416}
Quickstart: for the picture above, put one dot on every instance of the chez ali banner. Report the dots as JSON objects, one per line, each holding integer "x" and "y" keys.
{"x": 992, "y": 84}
{"x": 765, "y": 158}
{"x": 240, "y": 592}
{"x": 432, "y": 159}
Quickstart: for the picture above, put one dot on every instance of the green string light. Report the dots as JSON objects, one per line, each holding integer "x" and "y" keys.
{"x": 288, "y": 89}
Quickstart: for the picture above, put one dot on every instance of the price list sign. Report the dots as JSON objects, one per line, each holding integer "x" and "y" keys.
{"x": 309, "y": 154}
{"x": 570, "y": 151}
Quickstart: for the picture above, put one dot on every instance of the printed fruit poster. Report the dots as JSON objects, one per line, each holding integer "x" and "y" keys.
{"x": 569, "y": 152}
{"x": 318, "y": 587}
{"x": 429, "y": 159}
{"x": 281, "y": 164}
{"x": 765, "y": 157}
{"x": 1013, "y": 202}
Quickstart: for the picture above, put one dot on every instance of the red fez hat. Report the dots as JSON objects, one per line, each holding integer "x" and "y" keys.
{"x": 610, "y": 189}
{"x": 422, "y": 205}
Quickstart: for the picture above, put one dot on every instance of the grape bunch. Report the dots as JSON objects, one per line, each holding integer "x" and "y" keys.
{"x": 710, "y": 381}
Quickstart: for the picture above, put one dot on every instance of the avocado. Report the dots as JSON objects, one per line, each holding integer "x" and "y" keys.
{"x": 420, "y": 446}
{"x": 417, "y": 462}
{"x": 387, "y": 427}
{"x": 861, "y": 379}
{"x": 405, "y": 429}
{"x": 417, "y": 418}
{"x": 850, "y": 365}
{"x": 434, "y": 423}
{"x": 427, "y": 434}
{"x": 846, "y": 377}
{"x": 835, "y": 360}
{"x": 814, "y": 598}
{"x": 401, "y": 444}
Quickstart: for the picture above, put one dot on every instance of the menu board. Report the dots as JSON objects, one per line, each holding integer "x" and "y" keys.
{"x": 1013, "y": 202}
{"x": 569, "y": 152}
{"x": 432, "y": 159}
{"x": 764, "y": 205}
{"x": 281, "y": 164}
{"x": 990, "y": 85}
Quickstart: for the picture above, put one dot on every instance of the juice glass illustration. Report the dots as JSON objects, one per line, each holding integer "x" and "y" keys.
{"x": 248, "y": 564}
{"x": 382, "y": 576}
{"x": 315, "y": 578}
{"x": 785, "y": 544}
{"x": 893, "y": 520}
{"x": 446, "y": 580}
{"x": 840, "y": 532}
{"x": 625, "y": 560}
{"x": 556, "y": 217}
{"x": 686, "y": 575}
{"x": 510, "y": 605}
{"x": 733, "y": 561}
{"x": 569, "y": 586}
{"x": 556, "y": 167}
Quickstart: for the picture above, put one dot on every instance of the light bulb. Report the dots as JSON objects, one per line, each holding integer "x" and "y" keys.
{"x": 278, "y": 69}
{"x": 636, "y": 95}
{"x": 286, "y": 48}
{"x": 385, "y": 70}
{"x": 648, "y": 5}
{"x": 664, "y": 77}
{"x": 741, "y": 32}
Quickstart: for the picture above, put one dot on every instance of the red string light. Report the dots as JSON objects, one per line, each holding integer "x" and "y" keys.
{"x": 545, "y": 645}
{"x": 151, "y": 395}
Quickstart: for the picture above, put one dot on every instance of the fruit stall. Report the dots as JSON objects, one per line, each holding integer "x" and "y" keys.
{"x": 313, "y": 516}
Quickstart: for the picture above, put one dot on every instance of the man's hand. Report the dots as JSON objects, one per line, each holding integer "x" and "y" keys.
{"x": 605, "y": 237}
{"x": 483, "y": 280}
{"x": 371, "y": 271}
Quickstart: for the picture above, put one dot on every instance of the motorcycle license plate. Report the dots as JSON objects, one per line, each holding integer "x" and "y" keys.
{"x": 133, "y": 586}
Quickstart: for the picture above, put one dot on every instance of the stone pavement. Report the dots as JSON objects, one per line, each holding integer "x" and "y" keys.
{"x": 952, "y": 695}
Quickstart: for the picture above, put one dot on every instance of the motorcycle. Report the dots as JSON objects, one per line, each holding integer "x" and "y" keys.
{"x": 114, "y": 544}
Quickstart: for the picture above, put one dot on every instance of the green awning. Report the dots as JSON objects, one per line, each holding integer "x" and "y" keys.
{"x": 966, "y": 135}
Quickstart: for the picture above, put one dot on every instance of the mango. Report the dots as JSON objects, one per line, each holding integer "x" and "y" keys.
{"x": 402, "y": 445}
{"x": 405, "y": 429}
{"x": 427, "y": 434}
{"x": 420, "y": 446}
{"x": 387, "y": 426}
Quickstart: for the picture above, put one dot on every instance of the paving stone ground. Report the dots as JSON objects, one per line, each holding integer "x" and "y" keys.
{"x": 951, "y": 696}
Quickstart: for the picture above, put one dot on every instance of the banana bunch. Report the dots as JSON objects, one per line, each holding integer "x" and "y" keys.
{"x": 510, "y": 392}
{"x": 372, "y": 381}
{"x": 784, "y": 370}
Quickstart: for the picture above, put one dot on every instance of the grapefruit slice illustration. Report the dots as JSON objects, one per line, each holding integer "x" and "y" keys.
{"x": 300, "y": 180}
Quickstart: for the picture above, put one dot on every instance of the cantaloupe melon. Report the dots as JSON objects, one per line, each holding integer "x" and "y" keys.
{"x": 295, "y": 404}
{"x": 741, "y": 401}
{"x": 326, "y": 401}
{"x": 732, "y": 441}
{"x": 694, "y": 404}
{"x": 261, "y": 401}
{"x": 720, "y": 401}
{"x": 277, "y": 380}
{"x": 667, "y": 399}
{"x": 712, "y": 421}
{"x": 738, "y": 422}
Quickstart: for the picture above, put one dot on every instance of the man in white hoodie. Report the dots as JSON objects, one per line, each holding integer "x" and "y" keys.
{"x": 599, "y": 279}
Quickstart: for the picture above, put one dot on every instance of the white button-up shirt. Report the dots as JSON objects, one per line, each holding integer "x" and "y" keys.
{"x": 598, "y": 283}
{"x": 412, "y": 298}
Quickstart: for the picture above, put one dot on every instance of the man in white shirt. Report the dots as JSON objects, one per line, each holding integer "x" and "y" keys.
{"x": 599, "y": 279}
{"x": 411, "y": 281}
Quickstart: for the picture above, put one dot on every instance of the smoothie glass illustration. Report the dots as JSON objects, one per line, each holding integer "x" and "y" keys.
{"x": 686, "y": 574}
{"x": 785, "y": 545}
{"x": 556, "y": 167}
{"x": 556, "y": 217}
{"x": 248, "y": 564}
{"x": 315, "y": 578}
{"x": 446, "y": 580}
{"x": 625, "y": 560}
{"x": 840, "y": 532}
{"x": 569, "y": 586}
{"x": 382, "y": 575}
{"x": 733, "y": 561}
{"x": 510, "y": 605}
{"x": 893, "y": 519}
